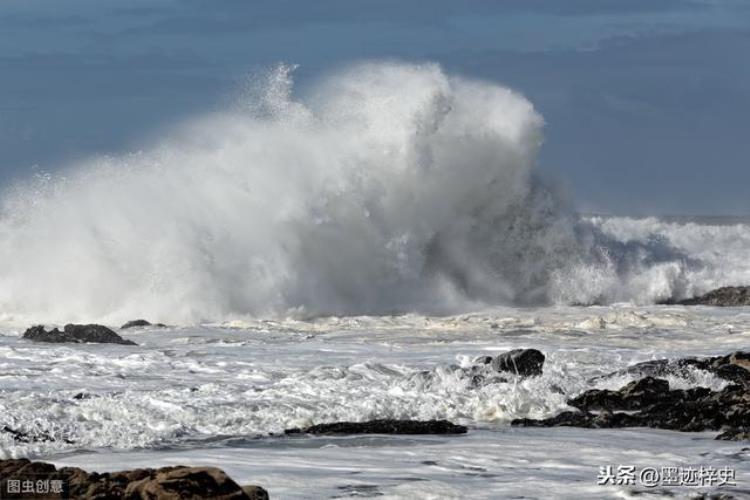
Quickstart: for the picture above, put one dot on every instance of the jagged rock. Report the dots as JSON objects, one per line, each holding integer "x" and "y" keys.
{"x": 137, "y": 323}
{"x": 167, "y": 483}
{"x": 728, "y": 296}
{"x": 690, "y": 410}
{"x": 650, "y": 403}
{"x": 634, "y": 396}
{"x": 76, "y": 334}
{"x": 386, "y": 426}
{"x": 734, "y": 367}
{"x": 523, "y": 362}
{"x": 735, "y": 435}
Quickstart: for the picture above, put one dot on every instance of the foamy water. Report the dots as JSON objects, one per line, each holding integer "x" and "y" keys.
{"x": 213, "y": 395}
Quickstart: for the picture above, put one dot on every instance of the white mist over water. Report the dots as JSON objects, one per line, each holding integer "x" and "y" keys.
{"x": 390, "y": 187}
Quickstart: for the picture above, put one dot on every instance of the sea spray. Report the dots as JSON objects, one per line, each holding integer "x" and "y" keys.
{"x": 388, "y": 188}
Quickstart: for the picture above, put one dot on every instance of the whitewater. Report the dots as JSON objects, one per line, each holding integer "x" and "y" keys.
{"x": 389, "y": 188}
{"x": 343, "y": 253}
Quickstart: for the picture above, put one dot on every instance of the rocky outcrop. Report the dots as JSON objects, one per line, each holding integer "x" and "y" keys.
{"x": 140, "y": 323}
{"x": 692, "y": 410}
{"x": 167, "y": 483}
{"x": 76, "y": 334}
{"x": 523, "y": 362}
{"x": 741, "y": 434}
{"x": 649, "y": 402}
{"x": 728, "y": 296}
{"x": 386, "y": 426}
{"x": 734, "y": 367}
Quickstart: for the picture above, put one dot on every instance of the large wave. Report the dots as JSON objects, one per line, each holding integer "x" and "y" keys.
{"x": 389, "y": 188}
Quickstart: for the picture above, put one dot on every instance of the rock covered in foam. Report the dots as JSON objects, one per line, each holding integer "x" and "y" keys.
{"x": 385, "y": 426}
{"x": 728, "y": 296}
{"x": 733, "y": 367}
{"x": 167, "y": 483}
{"x": 523, "y": 362}
{"x": 76, "y": 334}
{"x": 649, "y": 402}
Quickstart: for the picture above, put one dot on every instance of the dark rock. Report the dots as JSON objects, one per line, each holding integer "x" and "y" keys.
{"x": 76, "y": 334}
{"x": 385, "y": 426}
{"x": 690, "y": 410}
{"x": 39, "y": 334}
{"x": 20, "y": 436}
{"x": 167, "y": 483}
{"x": 137, "y": 323}
{"x": 30, "y": 437}
{"x": 728, "y": 296}
{"x": 734, "y": 367}
{"x": 255, "y": 492}
{"x": 523, "y": 362}
{"x": 634, "y": 396}
{"x": 737, "y": 434}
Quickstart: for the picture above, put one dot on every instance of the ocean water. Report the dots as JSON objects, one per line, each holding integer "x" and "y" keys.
{"x": 214, "y": 394}
{"x": 344, "y": 255}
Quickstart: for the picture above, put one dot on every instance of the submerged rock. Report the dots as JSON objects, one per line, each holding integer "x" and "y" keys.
{"x": 728, "y": 296}
{"x": 29, "y": 437}
{"x": 386, "y": 426}
{"x": 138, "y": 323}
{"x": 167, "y": 483}
{"x": 523, "y": 362}
{"x": 76, "y": 334}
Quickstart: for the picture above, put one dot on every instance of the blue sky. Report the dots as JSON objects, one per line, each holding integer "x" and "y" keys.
{"x": 647, "y": 102}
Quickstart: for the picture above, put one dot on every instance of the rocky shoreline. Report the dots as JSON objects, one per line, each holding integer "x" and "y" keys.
{"x": 22, "y": 478}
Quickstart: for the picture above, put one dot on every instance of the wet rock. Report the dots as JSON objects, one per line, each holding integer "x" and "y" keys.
{"x": 30, "y": 437}
{"x": 742, "y": 434}
{"x": 255, "y": 492}
{"x": 76, "y": 334}
{"x": 167, "y": 483}
{"x": 634, "y": 396}
{"x": 139, "y": 323}
{"x": 25, "y": 437}
{"x": 691, "y": 410}
{"x": 728, "y": 296}
{"x": 386, "y": 426}
{"x": 733, "y": 367}
{"x": 523, "y": 362}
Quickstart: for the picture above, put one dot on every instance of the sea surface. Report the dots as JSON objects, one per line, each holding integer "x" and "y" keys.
{"x": 221, "y": 394}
